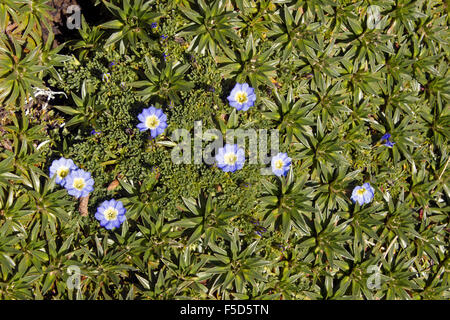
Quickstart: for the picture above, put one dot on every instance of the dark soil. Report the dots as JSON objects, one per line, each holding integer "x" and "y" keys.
{"x": 92, "y": 14}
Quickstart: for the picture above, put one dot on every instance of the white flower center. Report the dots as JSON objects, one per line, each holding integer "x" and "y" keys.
{"x": 62, "y": 172}
{"x": 230, "y": 158}
{"x": 241, "y": 97}
{"x": 79, "y": 183}
{"x": 110, "y": 214}
{"x": 152, "y": 122}
{"x": 279, "y": 164}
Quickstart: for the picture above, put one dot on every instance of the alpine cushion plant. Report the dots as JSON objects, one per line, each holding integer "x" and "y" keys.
{"x": 152, "y": 119}
{"x": 62, "y": 168}
{"x": 79, "y": 183}
{"x": 111, "y": 214}
{"x": 363, "y": 194}
{"x": 280, "y": 164}
{"x": 242, "y": 97}
{"x": 348, "y": 91}
{"x": 230, "y": 158}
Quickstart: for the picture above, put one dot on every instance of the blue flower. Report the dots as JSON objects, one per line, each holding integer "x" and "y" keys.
{"x": 363, "y": 194}
{"x": 79, "y": 183}
{"x": 280, "y": 164}
{"x": 388, "y": 143}
{"x": 230, "y": 158}
{"x": 62, "y": 168}
{"x": 93, "y": 132}
{"x": 111, "y": 214}
{"x": 106, "y": 77}
{"x": 154, "y": 25}
{"x": 242, "y": 97}
{"x": 153, "y": 119}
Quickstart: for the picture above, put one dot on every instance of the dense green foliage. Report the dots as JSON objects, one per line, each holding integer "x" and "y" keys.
{"x": 329, "y": 75}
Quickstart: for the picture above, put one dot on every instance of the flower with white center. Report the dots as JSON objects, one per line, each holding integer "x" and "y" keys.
{"x": 230, "y": 158}
{"x": 281, "y": 164}
{"x": 152, "y": 119}
{"x": 61, "y": 168}
{"x": 111, "y": 214}
{"x": 79, "y": 183}
{"x": 363, "y": 194}
{"x": 242, "y": 97}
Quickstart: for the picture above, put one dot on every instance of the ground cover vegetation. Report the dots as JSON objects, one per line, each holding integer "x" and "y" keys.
{"x": 92, "y": 205}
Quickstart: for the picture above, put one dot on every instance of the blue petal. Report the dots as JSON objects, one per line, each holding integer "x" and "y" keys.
{"x": 141, "y": 117}
{"x": 236, "y": 105}
{"x": 142, "y": 127}
{"x": 99, "y": 215}
{"x": 163, "y": 118}
{"x": 386, "y": 136}
{"x": 238, "y": 86}
{"x": 367, "y": 196}
{"x": 146, "y": 112}
{"x": 109, "y": 225}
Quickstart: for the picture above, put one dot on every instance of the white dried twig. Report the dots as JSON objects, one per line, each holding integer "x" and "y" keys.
{"x": 45, "y": 92}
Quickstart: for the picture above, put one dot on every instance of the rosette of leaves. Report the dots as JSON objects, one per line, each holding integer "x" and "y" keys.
{"x": 290, "y": 116}
{"x": 235, "y": 267}
{"x": 33, "y": 15}
{"x": 399, "y": 223}
{"x": 210, "y": 26}
{"x": 104, "y": 263}
{"x": 91, "y": 40}
{"x": 6, "y": 175}
{"x": 182, "y": 269}
{"x": 8, "y": 12}
{"x": 49, "y": 204}
{"x": 249, "y": 64}
{"x": 204, "y": 218}
{"x": 165, "y": 81}
{"x": 321, "y": 149}
{"x": 284, "y": 202}
{"x": 326, "y": 235}
{"x": 85, "y": 111}
{"x": 19, "y": 71}
{"x": 133, "y": 21}
{"x": 51, "y": 58}
{"x": 292, "y": 31}
{"x": 141, "y": 201}
{"x": 404, "y": 14}
{"x": 401, "y": 129}
{"x": 25, "y": 150}
{"x": 255, "y": 16}
{"x": 334, "y": 187}
{"x": 366, "y": 45}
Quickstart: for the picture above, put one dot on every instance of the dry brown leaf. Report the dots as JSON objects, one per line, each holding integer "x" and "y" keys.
{"x": 6, "y": 145}
{"x": 83, "y": 208}
{"x": 113, "y": 185}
